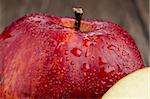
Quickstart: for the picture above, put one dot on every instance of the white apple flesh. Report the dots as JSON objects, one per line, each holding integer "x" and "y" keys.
{"x": 134, "y": 86}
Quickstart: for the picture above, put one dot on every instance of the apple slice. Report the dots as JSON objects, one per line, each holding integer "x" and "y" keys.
{"x": 134, "y": 86}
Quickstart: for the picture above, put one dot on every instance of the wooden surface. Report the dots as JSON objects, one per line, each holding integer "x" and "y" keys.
{"x": 131, "y": 14}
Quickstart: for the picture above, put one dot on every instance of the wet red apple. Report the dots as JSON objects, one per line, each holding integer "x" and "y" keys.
{"x": 45, "y": 56}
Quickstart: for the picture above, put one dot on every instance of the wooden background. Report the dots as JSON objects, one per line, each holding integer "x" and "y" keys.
{"x": 133, "y": 15}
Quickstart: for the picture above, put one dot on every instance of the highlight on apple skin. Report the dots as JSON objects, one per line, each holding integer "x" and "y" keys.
{"x": 44, "y": 56}
{"x": 133, "y": 86}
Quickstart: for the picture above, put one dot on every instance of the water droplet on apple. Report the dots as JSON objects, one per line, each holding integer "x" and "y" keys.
{"x": 55, "y": 55}
{"x": 66, "y": 52}
{"x": 87, "y": 53}
{"x": 86, "y": 43}
{"x": 76, "y": 51}
{"x": 45, "y": 85}
{"x": 64, "y": 68}
{"x": 72, "y": 63}
{"x": 61, "y": 59}
{"x": 39, "y": 21}
{"x": 96, "y": 93}
{"x": 93, "y": 57}
{"x": 67, "y": 58}
{"x": 85, "y": 67}
{"x": 88, "y": 78}
{"x": 103, "y": 82}
{"x": 98, "y": 84}
{"x": 111, "y": 47}
{"x": 101, "y": 61}
{"x": 110, "y": 80}
{"x": 92, "y": 84}
{"x": 72, "y": 82}
{"x": 84, "y": 73}
{"x": 124, "y": 53}
{"x": 91, "y": 74}
{"x": 109, "y": 69}
{"x": 108, "y": 86}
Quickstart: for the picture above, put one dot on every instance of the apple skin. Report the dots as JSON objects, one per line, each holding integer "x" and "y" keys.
{"x": 43, "y": 56}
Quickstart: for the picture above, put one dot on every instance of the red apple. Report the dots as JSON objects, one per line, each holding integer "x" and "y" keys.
{"x": 44, "y": 56}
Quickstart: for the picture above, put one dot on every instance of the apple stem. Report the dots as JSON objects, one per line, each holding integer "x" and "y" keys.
{"x": 78, "y": 15}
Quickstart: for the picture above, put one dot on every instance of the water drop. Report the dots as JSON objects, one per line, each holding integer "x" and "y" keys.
{"x": 111, "y": 47}
{"x": 64, "y": 68}
{"x": 96, "y": 93}
{"x": 87, "y": 53}
{"x": 54, "y": 71}
{"x": 124, "y": 53}
{"x": 97, "y": 84}
{"x": 101, "y": 62}
{"x": 72, "y": 63}
{"x": 61, "y": 59}
{"x": 38, "y": 21}
{"x": 67, "y": 58}
{"x": 116, "y": 76}
{"x": 86, "y": 43}
{"x": 110, "y": 80}
{"x": 66, "y": 52}
{"x": 84, "y": 73}
{"x": 103, "y": 82}
{"x": 109, "y": 69}
{"x": 55, "y": 55}
{"x": 85, "y": 67}
{"x": 91, "y": 74}
{"x": 93, "y": 57}
{"x": 76, "y": 51}
{"x": 108, "y": 86}
{"x": 92, "y": 84}
{"x": 45, "y": 85}
{"x": 72, "y": 82}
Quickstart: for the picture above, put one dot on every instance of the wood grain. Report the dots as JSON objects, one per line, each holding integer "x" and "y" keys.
{"x": 131, "y": 14}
